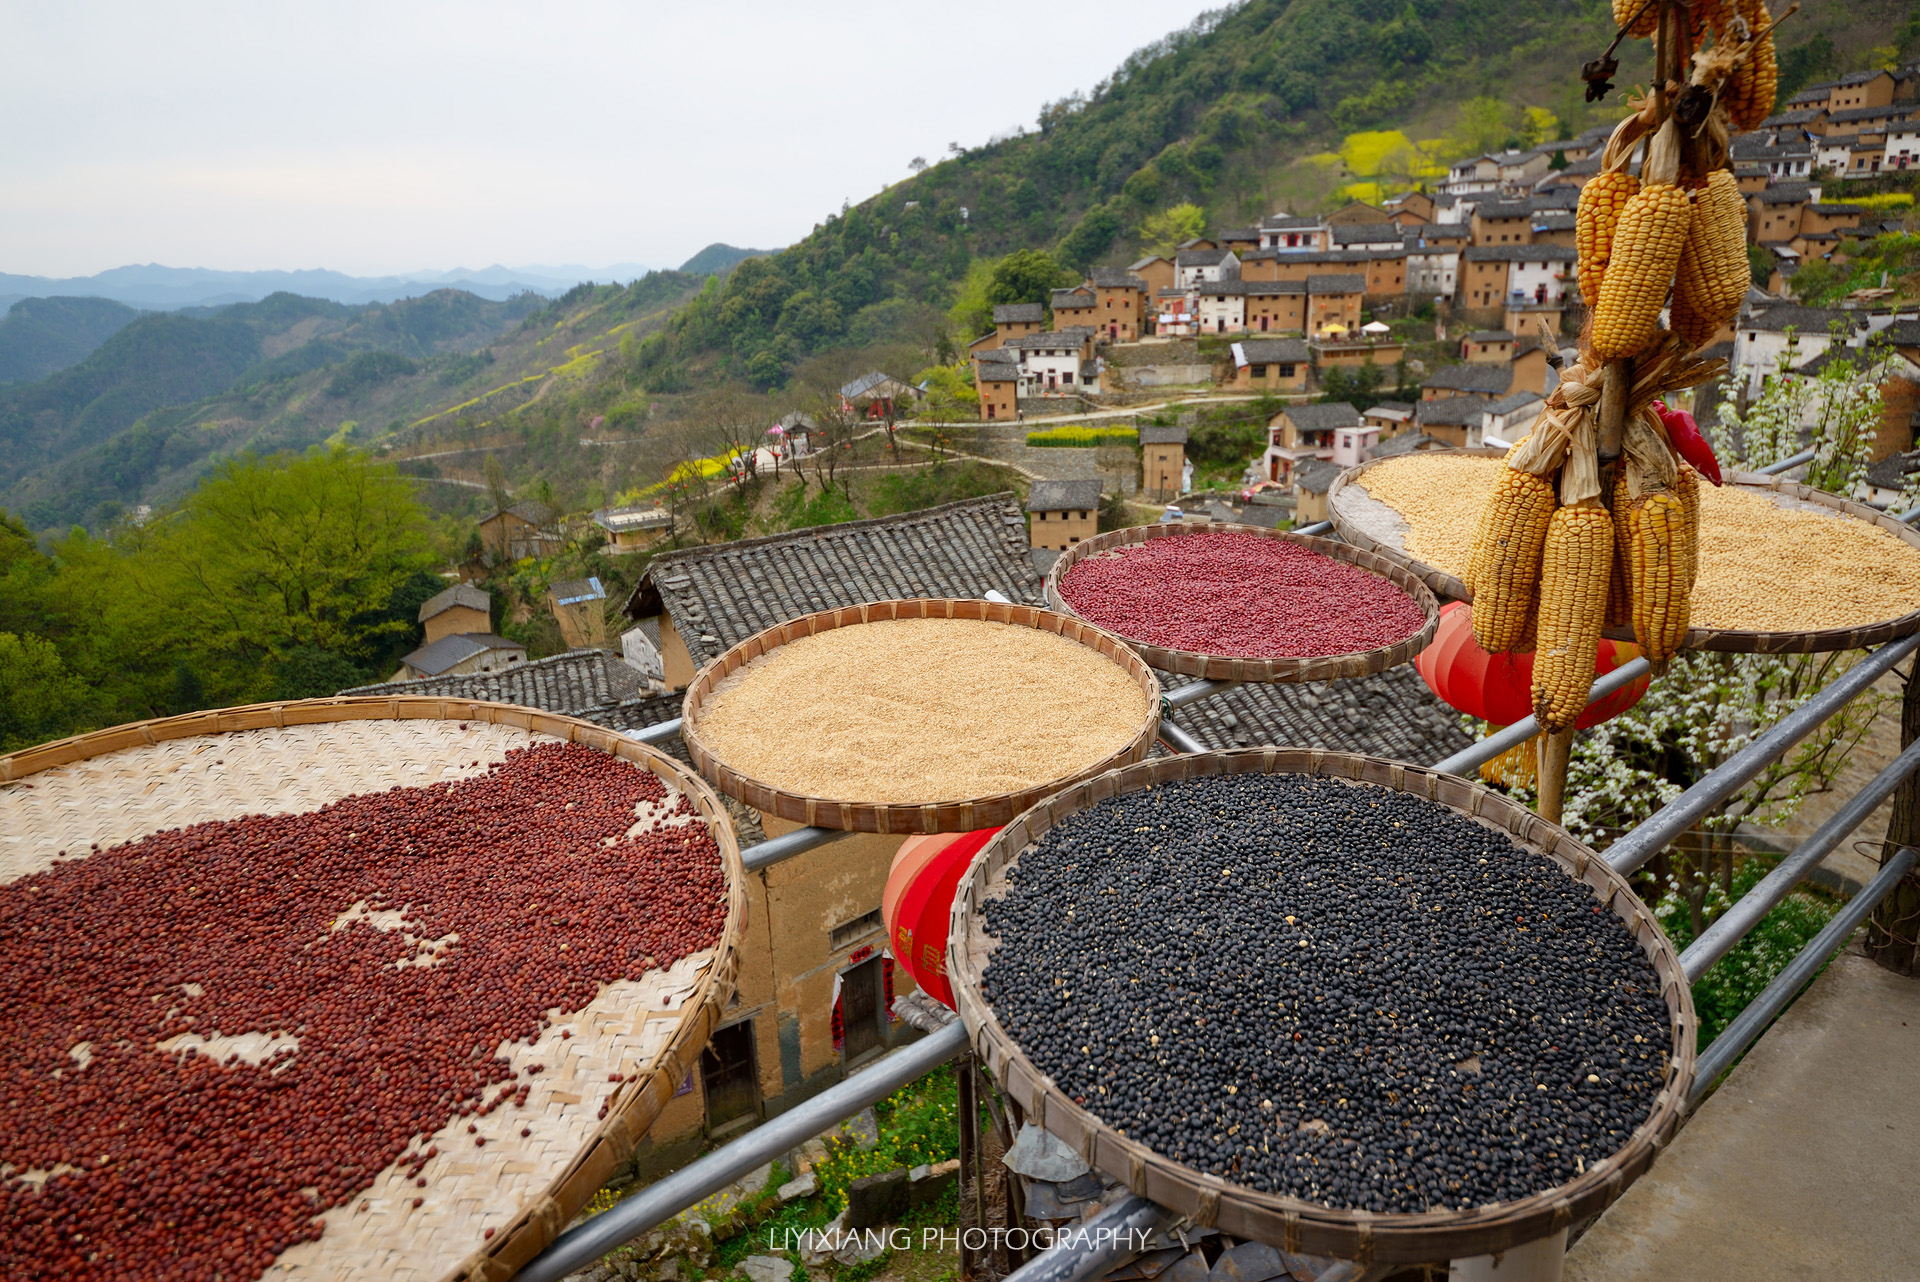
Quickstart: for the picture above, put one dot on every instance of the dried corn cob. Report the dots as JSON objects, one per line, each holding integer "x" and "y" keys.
{"x": 1688, "y": 488}
{"x": 1573, "y": 604}
{"x": 1748, "y": 93}
{"x": 1601, "y": 201}
{"x": 1713, "y": 276}
{"x": 1646, "y": 249}
{"x": 1506, "y": 558}
{"x": 1641, "y": 18}
{"x": 1657, "y": 552}
{"x": 1619, "y": 589}
{"x": 1709, "y": 17}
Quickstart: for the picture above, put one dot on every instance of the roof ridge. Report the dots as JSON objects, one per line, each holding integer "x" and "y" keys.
{"x": 681, "y": 555}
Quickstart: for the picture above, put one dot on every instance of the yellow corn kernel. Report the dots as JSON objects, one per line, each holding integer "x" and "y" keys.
{"x": 1506, "y": 557}
{"x": 1748, "y": 93}
{"x": 1574, "y": 570}
{"x": 1643, "y": 15}
{"x": 1601, "y": 201}
{"x": 1646, "y": 249}
{"x": 1688, "y": 488}
{"x": 1619, "y": 590}
{"x": 1657, "y": 551}
{"x": 1713, "y": 276}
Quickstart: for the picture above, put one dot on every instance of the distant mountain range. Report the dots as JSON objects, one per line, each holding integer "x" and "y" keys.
{"x": 153, "y": 287}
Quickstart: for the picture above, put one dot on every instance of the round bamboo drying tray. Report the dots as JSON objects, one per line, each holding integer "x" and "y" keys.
{"x": 1369, "y": 523}
{"x": 115, "y": 785}
{"x": 1366, "y": 522}
{"x": 1290, "y": 1223}
{"x": 939, "y": 815}
{"x": 1219, "y": 667}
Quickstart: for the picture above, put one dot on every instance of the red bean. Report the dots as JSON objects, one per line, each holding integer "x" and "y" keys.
{"x": 192, "y": 1169}
{"x": 1226, "y": 592}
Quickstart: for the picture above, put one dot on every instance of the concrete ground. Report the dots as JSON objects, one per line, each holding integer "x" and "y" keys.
{"x": 1802, "y": 1165}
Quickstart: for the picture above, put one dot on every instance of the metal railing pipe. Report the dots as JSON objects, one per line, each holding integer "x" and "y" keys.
{"x": 658, "y": 732}
{"x": 662, "y": 1200}
{"x": 786, "y": 846}
{"x": 1732, "y": 926}
{"x": 1179, "y": 740}
{"x": 1093, "y": 1246}
{"x": 1478, "y": 754}
{"x": 1318, "y": 527}
{"x": 1654, "y": 834}
{"x": 1787, "y": 464}
{"x": 1747, "y": 1026}
{"x": 1194, "y": 691}
{"x": 1908, "y": 515}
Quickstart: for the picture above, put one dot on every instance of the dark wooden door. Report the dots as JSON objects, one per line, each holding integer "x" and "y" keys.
{"x": 860, "y": 1013}
{"x": 728, "y": 1075}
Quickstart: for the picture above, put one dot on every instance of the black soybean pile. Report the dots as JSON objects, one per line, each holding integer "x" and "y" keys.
{"x": 1330, "y": 991}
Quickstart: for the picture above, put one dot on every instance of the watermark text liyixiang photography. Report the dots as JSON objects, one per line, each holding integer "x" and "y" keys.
{"x": 828, "y": 1241}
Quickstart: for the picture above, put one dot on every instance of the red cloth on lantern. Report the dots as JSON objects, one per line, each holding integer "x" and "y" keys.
{"x": 917, "y": 918}
{"x": 1498, "y": 688}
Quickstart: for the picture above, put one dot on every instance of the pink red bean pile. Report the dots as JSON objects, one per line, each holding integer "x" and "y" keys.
{"x": 1241, "y": 595}
{"x": 172, "y": 1165}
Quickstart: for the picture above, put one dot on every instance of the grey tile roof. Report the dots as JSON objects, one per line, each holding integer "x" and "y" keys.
{"x": 1519, "y": 253}
{"x": 447, "y": 651}
{"x": 1135, "y": 266}
{"x": 1453, "y": 411}
{"x": 574, "y": 683}
{"x": 1275, "y": 351}
{"x": 1472, "y": 377}
{"x": 1337, "y": 283}
{"x": 645, "y": 518}
{"x": 1071, "y": 336}
{"x": 1892, "y": 110}
{"x": 1891, "y": 473}
{"x": 1018, "y": 313}
{"x": 1071, "y": 298}
{"x": 999, "y": 372}
{"x": 1315, "y": 475}
{"x": 1237, "y": 233}
{"x": 1553, "y": 220}
{"x": 1287, "y": 222}
{"x": 1272, "y": 288}
{"x": 1802, "y": 320}
{"x": 459, "y": 594}
{"x": 1118, "y": 277}
{"x": 866, "y": 383}
{"x": 1803, "y": 116}
{"x": 720, "y": 595}
{"x": 1318, "y": 418}
{"x": 1392, "y": 407}
{"x": 1786, "y": 194}
{"x": 1511, "y": 402}
{"x": 1824, "y": 208}
{"x": 1369, "y": 233}
{"x": 1390, "y": 714}
{"x": 1064, "y": 496}
{"x": 1502, "y": 209}
{"x": 531, "y": 511}
{"x": 1490, "y": 336}
{"x": 1159, "y": 434}
{"x": 1199, "y": 257}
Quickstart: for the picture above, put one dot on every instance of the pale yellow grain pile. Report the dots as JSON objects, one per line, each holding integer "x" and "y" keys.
{"x": 914, "y": 711}
{"x": 1763, "y": 568}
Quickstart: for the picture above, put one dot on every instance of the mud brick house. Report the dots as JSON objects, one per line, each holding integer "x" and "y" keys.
{"x": 1062, "y": 513}
{"x": 461, "y": 608}
{"x": 630, "y": 529}
{"x": 1278, "y": 364}
{"x": 523, "y": 530}
{"x": 998, "y": 382}
{"x": 1163, "y": 461}
{"x": 1073, "y": 306}
{"x": 1120, "y": 304}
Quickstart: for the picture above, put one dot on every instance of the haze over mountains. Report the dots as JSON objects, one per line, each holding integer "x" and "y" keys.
{"x": 153, "y": 287}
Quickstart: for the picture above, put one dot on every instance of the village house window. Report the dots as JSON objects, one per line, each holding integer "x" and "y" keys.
{"x": 1286, "y": 369}
{"x": 865, "y": 924}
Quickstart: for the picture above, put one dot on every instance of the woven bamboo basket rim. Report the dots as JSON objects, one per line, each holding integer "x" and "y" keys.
{"x": 946, "y": 815}
{"x": 1444, "y": 584}
{"x": 1290, "y": 1223}
{"x": 1219, "y": 667}
{"x": 1854, "y": 636}
{"x": 638, "y": 1102}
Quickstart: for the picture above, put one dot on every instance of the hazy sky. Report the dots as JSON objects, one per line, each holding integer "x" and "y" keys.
{"x": 410, "y": 134}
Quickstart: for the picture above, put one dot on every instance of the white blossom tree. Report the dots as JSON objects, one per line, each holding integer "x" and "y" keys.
{"x": 1835, "y": 412}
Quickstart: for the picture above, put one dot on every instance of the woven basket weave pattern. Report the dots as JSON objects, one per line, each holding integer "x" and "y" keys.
{"x": 117, "y": 784}
{"x": 1290, "y": 1223}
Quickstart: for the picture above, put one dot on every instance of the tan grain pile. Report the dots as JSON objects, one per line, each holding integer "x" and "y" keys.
{"x": 913, "y": 711}
{"x": 1762, "y": 567}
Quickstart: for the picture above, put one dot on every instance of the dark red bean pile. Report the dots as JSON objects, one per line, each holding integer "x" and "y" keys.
{"x": 1334, "y": 992}
{"x": 1230, "y": 593}
{"x": 193, "y": 1169}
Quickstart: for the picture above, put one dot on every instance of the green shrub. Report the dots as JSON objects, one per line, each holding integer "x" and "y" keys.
{"x": 1082, "y": 437}
{"x": 1736, "y": 979}
{"x": 919, "y": 1125}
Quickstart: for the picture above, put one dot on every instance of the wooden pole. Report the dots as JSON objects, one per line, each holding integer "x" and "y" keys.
{"x": 1893, "y": 932}
{"x": 969, "y": 1112}
{"x": 1556, "y": 749}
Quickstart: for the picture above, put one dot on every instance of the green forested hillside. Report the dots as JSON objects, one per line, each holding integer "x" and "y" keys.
{"x": 39, "y": 336}
{"x": 1265, "y": 105}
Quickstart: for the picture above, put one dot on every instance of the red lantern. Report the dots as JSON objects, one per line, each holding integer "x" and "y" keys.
{"x": 1498, "y": 688}
{"x": 919, "y": 896}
